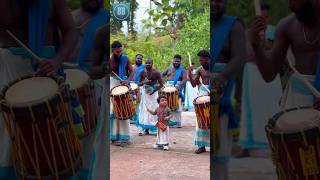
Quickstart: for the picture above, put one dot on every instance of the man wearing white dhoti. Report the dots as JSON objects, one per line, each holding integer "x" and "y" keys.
{"x": 227, "y": 56}
{"x": 202, "y": 136}
{"x": 97, "y": 151}
{"x": 151, "y": 81}
{"x": 120, "y": 69}
{"x": 134, "y": 77}
{"x": 254, "y": 114}
{"x": 177, "y": 76}
{"x": 300, "y": 32}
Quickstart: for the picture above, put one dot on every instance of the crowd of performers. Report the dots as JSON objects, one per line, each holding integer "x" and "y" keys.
{"x": 68, "y": 134}
{"x": 149, "y": 89}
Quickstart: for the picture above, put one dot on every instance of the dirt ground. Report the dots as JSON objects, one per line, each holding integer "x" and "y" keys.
{"x": 140, "y": 161}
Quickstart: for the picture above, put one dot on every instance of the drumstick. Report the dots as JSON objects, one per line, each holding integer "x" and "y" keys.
{"x": 257, "y": 7}
{"x": 313, "y": 90}
{"x": 117, "y": 75}
{"x": 189, "y": 59}
{"x": 33, "y": 55}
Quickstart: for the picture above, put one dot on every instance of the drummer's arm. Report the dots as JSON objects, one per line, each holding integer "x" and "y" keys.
{"x": 165, "y": 73}
{"x": 152, "y": 112}
{"x": 96, "y": 56}
{"x": 160, "y": 81}
{"x": 184, "y": 79}
{"x": 141, "y": 78}
{"x": 194, "y": 80}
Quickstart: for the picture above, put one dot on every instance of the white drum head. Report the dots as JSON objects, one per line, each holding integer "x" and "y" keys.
{"x": 119, "y": 90}
{"x": 202, "y": 99}
{"x": 76, "y": 78}
{"x": 297, "y": 120}
{"x": 169, "y": 89}
{"x": 31, "y": 91}
{"x": 133, "y": 86}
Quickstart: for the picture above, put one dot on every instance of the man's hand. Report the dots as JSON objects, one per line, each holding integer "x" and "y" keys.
{"x": 146, "y": 81}
{"x": 219, "y": 82}
{"x": 153, "y": 92}
{"x": 191, "y": 69}
{"x": 124, "y": 82}
{"x": 259, "y": 24}
{"x": 48, "y": 67}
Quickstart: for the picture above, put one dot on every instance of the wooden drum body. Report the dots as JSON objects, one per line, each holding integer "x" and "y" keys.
{"x": 294, "y": 137}
{"x": 172, "y": 96}
{"x": 82, "y": 87}
{"x": 123, "y": 106}
{"x": 37, "y": 114}
{"x": 202, "y": 110}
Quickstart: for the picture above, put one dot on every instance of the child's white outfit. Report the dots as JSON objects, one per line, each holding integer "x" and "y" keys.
{"x": 163, "y": 136}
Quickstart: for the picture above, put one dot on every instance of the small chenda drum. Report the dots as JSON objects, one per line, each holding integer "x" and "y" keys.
{"x": 294, "y": 137}
{"x": 171, "y": 93}
{"x": 202, "y": 110}
{"x": 135, "y": 92}
{"x": 82, "y": 87}
{"x": 123, "y": 106}
{"x": 37, "y": 114}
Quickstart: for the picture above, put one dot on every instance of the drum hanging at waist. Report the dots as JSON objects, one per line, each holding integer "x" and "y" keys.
{"x": 38, "y": 118}
{"x": 294, "y": 139}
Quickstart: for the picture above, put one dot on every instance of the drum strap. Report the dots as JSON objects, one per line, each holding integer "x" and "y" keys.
{"x": 220, "y": 35}
{"x": 138, "y": 72}
{"x": 122, "y": 66}
{"x": 317, "y": 81}
{"x": 97, "y": 21}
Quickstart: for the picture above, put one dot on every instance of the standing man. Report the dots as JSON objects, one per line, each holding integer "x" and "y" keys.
{"x": 298, "y": 32}
{"x": 33, "y": 22}
{"x": 228, "y": 55}
{"x": 254, "y": 114}
{"x": 136, "y": 71}
{"x": 202, "y": 136}
{"x": 177, "y": 76}
{"x": 151, "y": 81}
{"x": 137, "y": 68}
{"x": 97, "y": 150}
{"x": 120, "y": 69}
{"x": 88, "y": 19}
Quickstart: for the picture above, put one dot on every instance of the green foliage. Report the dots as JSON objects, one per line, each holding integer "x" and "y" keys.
{"x": 193, "y": 37}
{"x": 244, "y": 9}
{"x": 74, "y": 4}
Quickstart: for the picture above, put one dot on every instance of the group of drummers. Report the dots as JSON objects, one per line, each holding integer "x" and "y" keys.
{"x": 134, "y": 90}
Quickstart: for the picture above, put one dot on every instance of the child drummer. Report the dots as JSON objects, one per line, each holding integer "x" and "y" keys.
{"x": 164, "y": 115}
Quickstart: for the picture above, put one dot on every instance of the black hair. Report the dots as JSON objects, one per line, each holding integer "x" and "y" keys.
{"x": 204, "y": 53}
{"x": 265, "y": 7}
{"x": 116, "y": 44}
{"x": 161, "y": 97}
{"x": 177, "y": 56}
{"x": 139, "y": 55}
